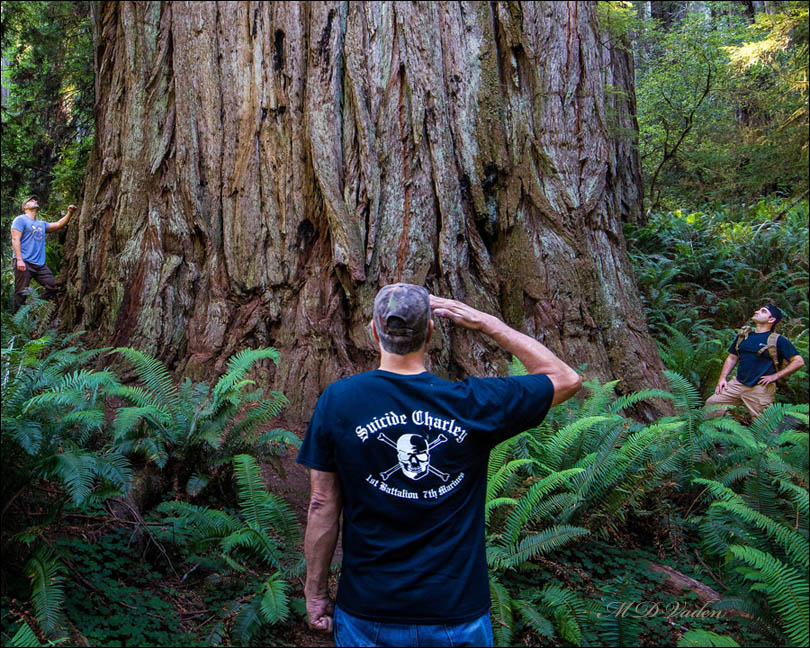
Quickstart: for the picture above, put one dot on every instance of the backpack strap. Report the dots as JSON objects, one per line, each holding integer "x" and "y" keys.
{"x": 744, "y": 332}
{"x": 771, "y": 343}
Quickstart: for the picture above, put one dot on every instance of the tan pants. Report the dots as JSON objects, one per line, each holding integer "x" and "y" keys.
{"x": 756, "y": 398}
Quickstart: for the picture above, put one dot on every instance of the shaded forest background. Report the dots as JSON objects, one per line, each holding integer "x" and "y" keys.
{"x": 104, "y": 466}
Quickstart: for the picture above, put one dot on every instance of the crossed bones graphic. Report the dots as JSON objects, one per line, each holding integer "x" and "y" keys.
{"x": 386, "y": 474}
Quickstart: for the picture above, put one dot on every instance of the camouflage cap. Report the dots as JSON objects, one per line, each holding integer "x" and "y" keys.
{"x": 401, "y": 315}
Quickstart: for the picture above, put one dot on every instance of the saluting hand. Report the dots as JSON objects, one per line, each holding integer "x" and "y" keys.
{"x": 458, "y": 312}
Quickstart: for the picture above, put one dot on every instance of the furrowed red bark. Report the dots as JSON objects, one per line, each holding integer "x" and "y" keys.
{"x": 261, "y": 169}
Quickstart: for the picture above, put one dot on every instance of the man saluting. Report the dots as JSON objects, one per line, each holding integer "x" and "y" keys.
{"x": 403, "y": 455}
{"x": 28, "y": 242}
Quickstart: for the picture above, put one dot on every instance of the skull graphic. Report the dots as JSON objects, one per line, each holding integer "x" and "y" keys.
{"x": 413, "y": 453}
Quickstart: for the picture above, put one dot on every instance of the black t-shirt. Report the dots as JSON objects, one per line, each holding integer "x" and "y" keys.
{"x": 755, "y": 359}
{"x": 411, "y": 453}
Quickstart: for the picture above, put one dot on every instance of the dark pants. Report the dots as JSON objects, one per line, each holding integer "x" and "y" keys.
{"x": 23, "y": 277}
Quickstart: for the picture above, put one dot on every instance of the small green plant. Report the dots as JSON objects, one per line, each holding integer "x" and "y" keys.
{"x": 120, "y": 599}
{"x": 259, "y": 538}
{"x": 193, "y": 429}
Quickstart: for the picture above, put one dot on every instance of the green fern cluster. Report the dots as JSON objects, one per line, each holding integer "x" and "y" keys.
{"x": 198, "y": 427}
{"x": 757, "y": 522}
{"x": 52, "y": 433}
{"x": 548, "y": 611}
{"x": 580, "y": 473}
{"x": 255, "y": 541}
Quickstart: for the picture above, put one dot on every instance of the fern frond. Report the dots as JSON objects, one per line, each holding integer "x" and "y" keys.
{"x": 24, "y": 638}
{"x": 496, "y": 503}
{"x": 538, "y": 544}
{"x": 279, "y": 436}
{"x": 629, "y": 400}
{"x": 501, "y": 613}
{"x": 536, "y": 621}
{"x": 600, "y": 396}
{"x": 275, "y": 606}
{"x": 705, "y": 638}
{"x": 570, "y": 611}
{"x": 250, "y": 490}
{"x": 154, "y": 375}
{"x": 199, "y": 523}
{"x": 686, "y": 396}
{"x": 248, "y": 621}
{"x": 556, "y": 448}
{"x": 798, "y": 495}
{"x": 48, "y": 595}
{"x": 26, "y": 432}
{"x": 524, "y": 510}
{"x": 502, "y": 475}
{"x": 238, "y": 366}
{"x": 795, "y": 545}
{"x": 256, "y": 542}
{"x": 786, "y": 590}
{"x": 75, "y": 469}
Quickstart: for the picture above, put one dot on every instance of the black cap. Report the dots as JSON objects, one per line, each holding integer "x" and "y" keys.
{"x": 775, "y": 312}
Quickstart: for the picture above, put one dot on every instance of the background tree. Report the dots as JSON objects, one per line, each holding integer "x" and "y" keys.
{"x": 722, "y": 91}
{"x": 260, "y": 169}
{"x": 47, "y": 106}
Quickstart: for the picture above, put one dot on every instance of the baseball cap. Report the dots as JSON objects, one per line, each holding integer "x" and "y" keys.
{"x": 401, "y": 315}
{"x": 31, "y": 197}
{"x": 775, "y": 312}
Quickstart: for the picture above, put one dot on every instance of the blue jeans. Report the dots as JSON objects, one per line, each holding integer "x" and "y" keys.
{"x": 351, "y": 631}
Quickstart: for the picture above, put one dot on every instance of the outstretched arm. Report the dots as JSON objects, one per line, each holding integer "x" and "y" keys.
{"x": 320, "y": 540}
{"x": 52, "y": 227}
{"x": 535, "y": 356}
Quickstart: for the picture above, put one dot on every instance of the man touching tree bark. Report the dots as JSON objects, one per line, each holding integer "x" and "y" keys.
{"x": 28, "y": 242}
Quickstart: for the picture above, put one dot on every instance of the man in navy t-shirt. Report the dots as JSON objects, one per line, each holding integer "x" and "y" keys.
{"x": 28, "y": 243}
{"x": 755, "y": 384}
{"x": 403, "y": 453}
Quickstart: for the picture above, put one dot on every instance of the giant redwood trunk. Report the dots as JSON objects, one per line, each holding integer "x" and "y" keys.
{"x": 261, "y": 169}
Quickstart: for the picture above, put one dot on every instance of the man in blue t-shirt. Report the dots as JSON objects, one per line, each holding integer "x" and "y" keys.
{"x": 755, "y": 384}
{"x": 403, "y": 453}
{"x": 28, "y": 243}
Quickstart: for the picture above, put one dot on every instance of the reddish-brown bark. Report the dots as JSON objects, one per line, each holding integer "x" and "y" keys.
{"x": 261, "y": 169}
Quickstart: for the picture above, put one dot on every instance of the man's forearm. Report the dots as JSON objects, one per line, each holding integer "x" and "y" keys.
{"x": 60, "y": 223}
{"x": 15, "y": 245}
{"x": 320, "y": 540}
{"x": 728, "y": 365}
{"x": 534, "y": 355}
{"x": 796, "y": 363}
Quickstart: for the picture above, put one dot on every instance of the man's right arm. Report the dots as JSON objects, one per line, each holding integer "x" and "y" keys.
{"x": 320, "y": 540}
{"x": 16, "y": 236}
{"x": 536, "y": 357}
{"x": 728, "y": 365}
